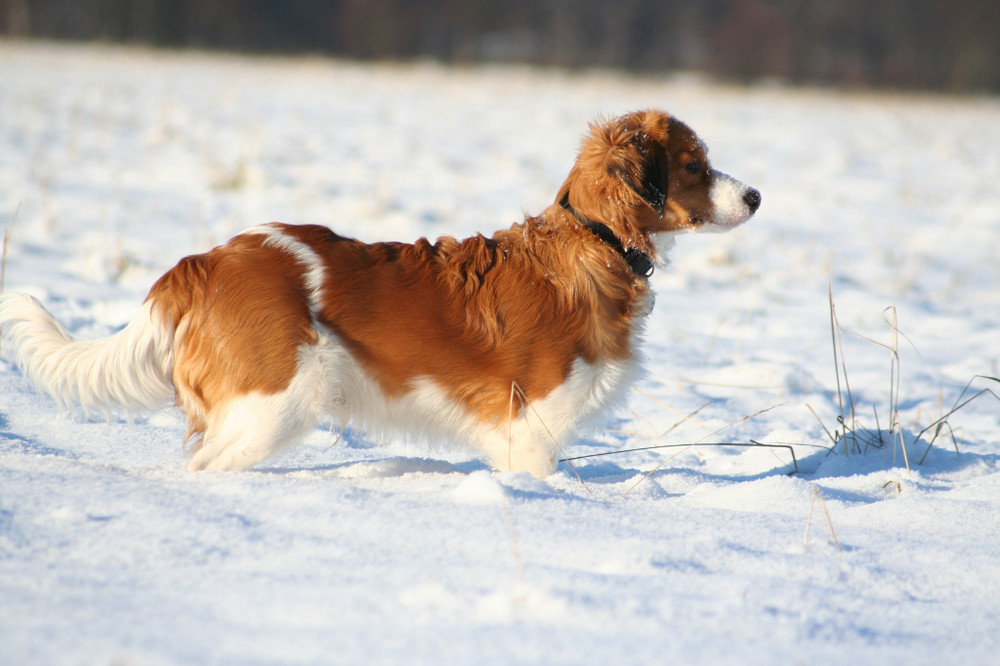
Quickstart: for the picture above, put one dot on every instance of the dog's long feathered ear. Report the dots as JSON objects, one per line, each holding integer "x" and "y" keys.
{"x": 647, "y": 176}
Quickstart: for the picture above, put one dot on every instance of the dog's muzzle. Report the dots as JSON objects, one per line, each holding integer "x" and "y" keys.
{"x": 733, "y": 202}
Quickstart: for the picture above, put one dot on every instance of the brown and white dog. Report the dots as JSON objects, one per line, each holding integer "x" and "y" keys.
{"x": 507, "y": 343}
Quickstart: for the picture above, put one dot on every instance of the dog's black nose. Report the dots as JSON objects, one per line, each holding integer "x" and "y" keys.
{"x": 752, "y": 200}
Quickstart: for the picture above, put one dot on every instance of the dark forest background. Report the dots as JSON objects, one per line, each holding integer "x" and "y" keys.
{"x": 949, "y": 45}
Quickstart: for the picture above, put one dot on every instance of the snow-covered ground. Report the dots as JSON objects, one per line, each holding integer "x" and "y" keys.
{"x": 115, "y": 163}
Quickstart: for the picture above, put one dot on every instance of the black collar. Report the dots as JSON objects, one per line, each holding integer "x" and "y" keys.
{"x": 640, "y": 262}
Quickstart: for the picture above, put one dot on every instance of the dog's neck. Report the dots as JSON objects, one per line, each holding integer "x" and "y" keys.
{"x": 640, "y": 262}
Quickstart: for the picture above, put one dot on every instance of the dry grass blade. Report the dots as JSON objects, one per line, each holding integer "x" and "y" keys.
{"x": 688, "y": 446}
{"x": 751, "y": 444}
{"x": 809, "y": 519}
{"x": 937, "y": 431}
{"x": 817, "y": 495}
{"x": 836, "y": 365}
{"x": 894, "y": 370}
{"x": 822, "y": 425}
{"x": 890, "y": 316}
{"x": 902, "y": 445}
{"x": 668, "y": 407}
{"x": 942, "y": 422}
{"x": 840, "y": 365}
{"x": 636, "y": 433}
{"x": 657, "y": 468}
{"x": 340, "y": 434}
{"x": 686, "y": 419}
{"x": 652, "y": 428}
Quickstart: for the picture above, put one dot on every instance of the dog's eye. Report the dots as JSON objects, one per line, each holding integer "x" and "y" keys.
{"x": 693, "y": 167}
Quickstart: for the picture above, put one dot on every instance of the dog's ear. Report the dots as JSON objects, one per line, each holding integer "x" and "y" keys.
{"x": 646, "y": 174}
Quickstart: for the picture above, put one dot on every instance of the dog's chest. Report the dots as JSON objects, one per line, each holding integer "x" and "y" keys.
{"x": 589, "y": 390}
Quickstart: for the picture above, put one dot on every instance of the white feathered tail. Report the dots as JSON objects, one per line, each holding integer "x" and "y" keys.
{"x": 128, "y": 370}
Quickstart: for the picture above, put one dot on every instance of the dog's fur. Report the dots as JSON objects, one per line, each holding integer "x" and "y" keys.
{"x": 507, "y": 342}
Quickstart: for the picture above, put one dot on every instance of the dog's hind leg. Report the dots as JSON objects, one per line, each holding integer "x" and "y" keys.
{"x": 249, "y": 429}
{"x": 254, "y": 426}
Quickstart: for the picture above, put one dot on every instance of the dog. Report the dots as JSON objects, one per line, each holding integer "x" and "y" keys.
{"x": 506, "y": 343}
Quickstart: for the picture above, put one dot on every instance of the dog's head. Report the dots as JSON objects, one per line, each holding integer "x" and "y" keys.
{"x": 646, "y": 173}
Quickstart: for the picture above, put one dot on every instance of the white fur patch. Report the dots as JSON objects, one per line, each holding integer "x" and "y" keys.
{"x": 730, "y": 209}
{"x": 130, "y": 369}
{"x": 664, "y": 242}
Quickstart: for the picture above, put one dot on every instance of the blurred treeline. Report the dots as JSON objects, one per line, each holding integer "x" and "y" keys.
{"x": 951, "y": 45}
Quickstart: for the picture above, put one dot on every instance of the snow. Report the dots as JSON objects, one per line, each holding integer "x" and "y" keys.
{"x": 114, "y": 163}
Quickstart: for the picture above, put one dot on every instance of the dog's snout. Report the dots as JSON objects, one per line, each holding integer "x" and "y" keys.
{"x": 752, "y": 200}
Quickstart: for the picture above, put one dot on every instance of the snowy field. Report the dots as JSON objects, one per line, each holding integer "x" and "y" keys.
{"x": 115, "y": 163}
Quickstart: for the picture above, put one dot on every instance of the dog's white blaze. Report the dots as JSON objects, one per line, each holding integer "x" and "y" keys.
{"x": 727, "y": 201}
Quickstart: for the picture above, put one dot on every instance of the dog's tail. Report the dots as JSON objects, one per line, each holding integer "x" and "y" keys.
{"x": 128, "y": 370}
